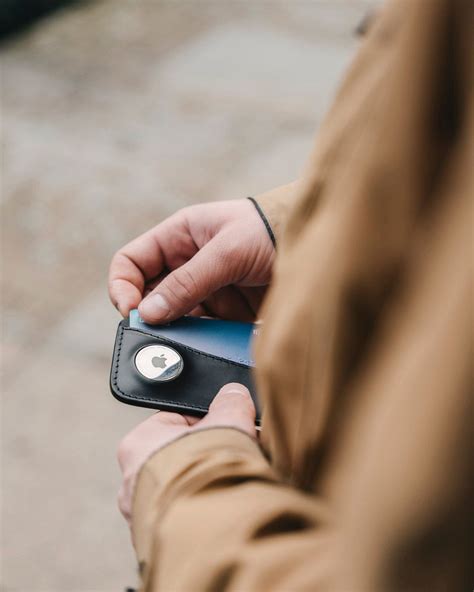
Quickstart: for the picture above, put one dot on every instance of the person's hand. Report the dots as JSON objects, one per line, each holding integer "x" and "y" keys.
{"x": 210, "y": 259}
{"x": 232, "y": 407}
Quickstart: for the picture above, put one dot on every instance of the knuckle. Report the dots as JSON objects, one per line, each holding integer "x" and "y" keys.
{"x": 122, "y": 503}
{"x": 231, "y": 252}
{"x": 231, "y": 417}
{"x": 116, "y": 255}
{"x": 234, "y": 401}
{"x": 231, "y": 249}
{"x": 193, "y": 213}
{"x": 183, "y": 285}
{"x": 180, "y": 217}
{"x": 120, "y": 257}
{"x": 123, "y": 450}
{"x": 114, "y": 262}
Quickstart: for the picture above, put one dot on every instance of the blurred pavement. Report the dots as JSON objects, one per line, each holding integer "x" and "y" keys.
{"x": 114, "y": 115}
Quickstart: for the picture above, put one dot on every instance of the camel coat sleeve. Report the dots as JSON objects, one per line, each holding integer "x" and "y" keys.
{"x": 211, "y": 514}
{"x": 362, "y": 485}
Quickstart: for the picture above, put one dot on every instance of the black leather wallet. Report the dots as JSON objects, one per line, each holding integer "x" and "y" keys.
{"x": 151, "y": 370}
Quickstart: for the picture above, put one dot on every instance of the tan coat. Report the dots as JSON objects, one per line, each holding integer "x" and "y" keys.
{"x": 364, "y": 362}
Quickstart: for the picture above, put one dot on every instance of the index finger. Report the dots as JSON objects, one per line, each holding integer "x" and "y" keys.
{"x": 132, "y": 266}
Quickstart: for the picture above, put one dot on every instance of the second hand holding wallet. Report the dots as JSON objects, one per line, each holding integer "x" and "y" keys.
{"x": 181, "y": 366}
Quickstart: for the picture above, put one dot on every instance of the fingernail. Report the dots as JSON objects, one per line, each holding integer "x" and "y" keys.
{"x": 122, "y": 309}
{"x": 155, "y": 306}
{"x": 234, "y": 388}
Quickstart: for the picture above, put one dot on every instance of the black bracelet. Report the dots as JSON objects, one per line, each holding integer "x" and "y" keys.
{"x": 264, "y": 220}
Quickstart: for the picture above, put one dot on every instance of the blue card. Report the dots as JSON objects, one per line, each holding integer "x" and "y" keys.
{"x": 231, "y": 340}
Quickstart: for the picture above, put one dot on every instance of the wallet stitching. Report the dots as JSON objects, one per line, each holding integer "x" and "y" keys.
{"x": 137, "y": 397}
{"x": 190, "y": 349}
{"x": 154, "y": 399}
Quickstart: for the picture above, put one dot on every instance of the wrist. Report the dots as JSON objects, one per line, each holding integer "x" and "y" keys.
{"x": 264, "y": 219}
{"x": 275, "y": 206}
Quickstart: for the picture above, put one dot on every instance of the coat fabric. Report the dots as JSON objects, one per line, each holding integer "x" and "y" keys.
{"x": 360, "y": 481}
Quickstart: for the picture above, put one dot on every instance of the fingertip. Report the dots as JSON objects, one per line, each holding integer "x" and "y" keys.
{"x": 232, "y": 407}
{"x": 234, "y": 387}
{"x": 125, "y": 305}
{"x": 124, "y": 296}
{"x": 234, "y": 395}
{"x": 123, "y": 309}
{"x": 154, "y": 309}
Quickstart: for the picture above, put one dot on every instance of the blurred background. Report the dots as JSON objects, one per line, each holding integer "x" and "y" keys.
{"x": 115, "y": 114}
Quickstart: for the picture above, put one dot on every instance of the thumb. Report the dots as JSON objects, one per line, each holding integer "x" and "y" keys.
{"x": 187, "y": 286}
{"x": 232, "y": 407}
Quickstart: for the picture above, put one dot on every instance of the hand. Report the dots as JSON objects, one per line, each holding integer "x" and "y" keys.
{"x": 232, "y": 407}
{"x": 210, "y": 259}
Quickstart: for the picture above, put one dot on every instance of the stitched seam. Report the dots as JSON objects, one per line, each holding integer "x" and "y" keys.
{"x": 138, "y": 397}
{"x": 242, "y": 364}
{"x": 154, "y": 399}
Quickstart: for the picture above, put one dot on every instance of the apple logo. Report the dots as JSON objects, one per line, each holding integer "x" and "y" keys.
{"x": 159, "y": 362}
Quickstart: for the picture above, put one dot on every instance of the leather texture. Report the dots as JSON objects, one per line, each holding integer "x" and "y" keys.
{"x": 190, "y": 393}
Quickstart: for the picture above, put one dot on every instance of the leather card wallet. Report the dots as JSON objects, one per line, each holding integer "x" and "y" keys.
{"x": 181, "y": 366}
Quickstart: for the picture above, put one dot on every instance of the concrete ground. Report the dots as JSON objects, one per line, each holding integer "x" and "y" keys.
{"x": 114, "y": 115}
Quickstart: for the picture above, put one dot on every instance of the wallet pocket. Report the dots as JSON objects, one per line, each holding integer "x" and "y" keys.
{"x": 190, "y": 392}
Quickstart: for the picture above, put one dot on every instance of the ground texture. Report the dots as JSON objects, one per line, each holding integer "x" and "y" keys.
{"x": 114, "y": 115}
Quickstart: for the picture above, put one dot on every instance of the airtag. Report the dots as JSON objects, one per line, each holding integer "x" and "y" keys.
{"x": 159, "y": 362}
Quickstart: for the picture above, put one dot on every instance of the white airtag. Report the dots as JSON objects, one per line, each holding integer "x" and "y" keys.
{"x": 159, "y": 362}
